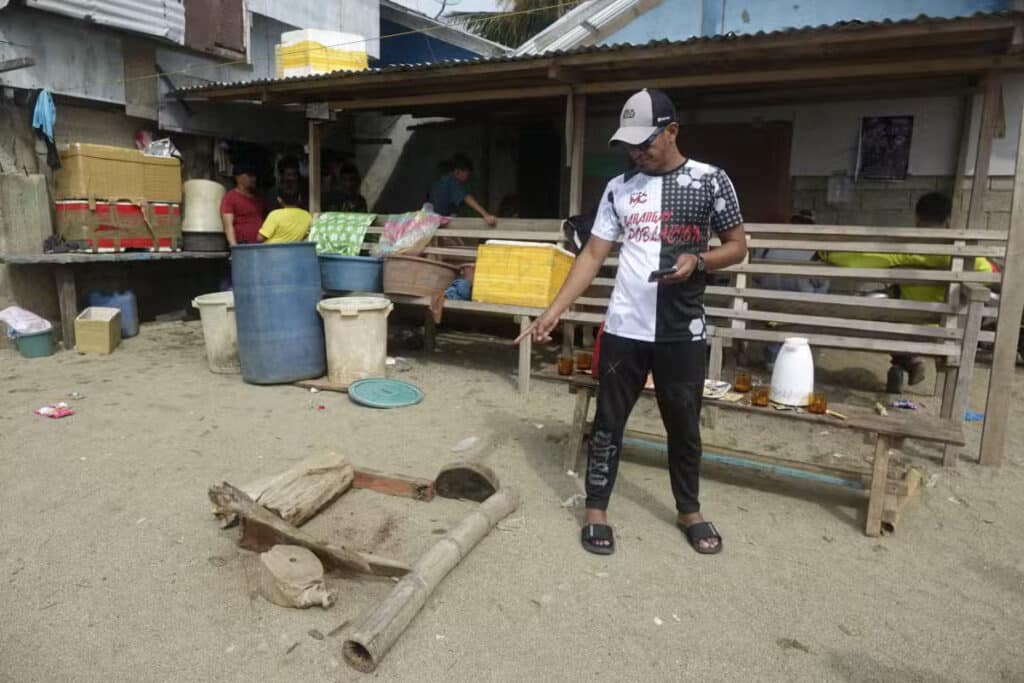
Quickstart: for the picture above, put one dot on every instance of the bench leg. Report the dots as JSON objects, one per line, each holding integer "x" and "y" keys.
{"x": 568, "y": 338}
{"x": 879, "y": 481}
{"x": 429, "y": 331}
{"x": 67, "y": 297}
{"x": 525, "y": 353}
{"x": 715, "y": 362}
{"x": 579, "y": 422}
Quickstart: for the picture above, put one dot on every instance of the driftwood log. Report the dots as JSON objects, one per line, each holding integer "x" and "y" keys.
{"x": 292, "y": 576}
{"x": 378, "y": 630}
{"x": 262, "y": 530}
{"x": 300, "y": 492}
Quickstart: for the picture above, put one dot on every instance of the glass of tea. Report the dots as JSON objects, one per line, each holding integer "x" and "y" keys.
{"x": 817, "y": 403}
{"x": 584, "y": 359}
{"x": 742, "y": 382}
{"x": 759, "y": 396}
{"x": 566, "y": 364}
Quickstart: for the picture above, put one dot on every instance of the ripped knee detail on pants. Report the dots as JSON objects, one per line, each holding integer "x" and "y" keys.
{"x": 602, "y": 451}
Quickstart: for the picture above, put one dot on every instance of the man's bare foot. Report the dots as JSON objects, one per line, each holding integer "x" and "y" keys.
{"x": 686, "y": 521}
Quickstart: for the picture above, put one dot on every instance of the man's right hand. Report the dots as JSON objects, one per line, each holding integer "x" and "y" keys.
{"x": 541, "y": 328}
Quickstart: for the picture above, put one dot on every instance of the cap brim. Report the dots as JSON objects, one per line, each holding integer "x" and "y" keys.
{"x": 633, "y": 135}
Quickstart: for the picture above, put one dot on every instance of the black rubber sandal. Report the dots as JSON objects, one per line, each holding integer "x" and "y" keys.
{"x": 597, "y": 532}
{"x": 695, "y": 533}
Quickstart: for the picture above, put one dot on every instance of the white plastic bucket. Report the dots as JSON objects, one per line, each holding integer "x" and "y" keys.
{"x": 356, "y": 336}
{"x": 217, "y": 312}
{"x": 793, "y": 377}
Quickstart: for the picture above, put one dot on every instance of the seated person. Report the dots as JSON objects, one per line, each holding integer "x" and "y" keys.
{"x": 933, "y": 210}
{"x": 287, "y": 224}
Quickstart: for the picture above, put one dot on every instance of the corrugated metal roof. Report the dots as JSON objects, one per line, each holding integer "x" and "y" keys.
{"x": 729, "y": 38}
{"x": 161, "y": 18}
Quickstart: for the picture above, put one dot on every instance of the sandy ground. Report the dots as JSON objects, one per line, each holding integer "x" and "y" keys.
{"x": 112, "y": 568}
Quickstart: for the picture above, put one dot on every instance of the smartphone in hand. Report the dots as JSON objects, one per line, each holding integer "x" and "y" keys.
{"x": 658, "y": 274}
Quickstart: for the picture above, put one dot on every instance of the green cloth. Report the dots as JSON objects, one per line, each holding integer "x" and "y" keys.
{"x": 340, "y": 233}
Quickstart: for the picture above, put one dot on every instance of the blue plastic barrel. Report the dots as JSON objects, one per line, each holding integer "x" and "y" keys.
{"x": 126, "y": 303}
{"x": 351, "y": 273}
{"x": 280, "y": 333}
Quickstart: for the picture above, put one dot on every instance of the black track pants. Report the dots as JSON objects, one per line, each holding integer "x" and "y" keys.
{"x": 679, "y": 371}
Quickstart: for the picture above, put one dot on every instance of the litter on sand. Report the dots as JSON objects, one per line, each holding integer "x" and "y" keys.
{"x": 574, "y": 500}
{"x": 903, "y": 404}
{"x": 466, "y": 444}
{"x": 658, "y": 622}
{"x": 972, "y": 416}
{"x": 55, "y": 410}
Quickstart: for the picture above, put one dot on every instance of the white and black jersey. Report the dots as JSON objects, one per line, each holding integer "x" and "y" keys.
{"x": 658, "y": 218}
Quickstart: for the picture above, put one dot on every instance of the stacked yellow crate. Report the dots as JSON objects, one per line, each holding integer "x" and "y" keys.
{"x": 519, "y": 273}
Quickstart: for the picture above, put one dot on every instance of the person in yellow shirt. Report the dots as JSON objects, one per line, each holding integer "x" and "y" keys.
{"x": 933, "y": 210}
{"x": 287, "y": 224}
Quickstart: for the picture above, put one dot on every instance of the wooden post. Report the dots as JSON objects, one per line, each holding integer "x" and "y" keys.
{"x": 525, "y": 354}
{"x": 67, "y": 297}
{"x": 378, "y": 629}
{"x": 314, "y": 167}
{"x": 578, "y": 132}
{"x": 879, "y": 480}
{"x": 1011, "y": 308}
{"x": 976, "y": 296}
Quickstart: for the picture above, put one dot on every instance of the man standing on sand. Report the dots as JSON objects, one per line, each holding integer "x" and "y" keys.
{"x": 241, "y": 209}
{"x": 664, "y": 211}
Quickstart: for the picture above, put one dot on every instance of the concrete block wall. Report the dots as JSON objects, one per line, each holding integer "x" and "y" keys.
{"x": 891, "y": 203}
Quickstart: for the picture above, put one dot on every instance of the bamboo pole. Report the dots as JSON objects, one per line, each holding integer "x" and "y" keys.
{"x": 378, "y": 630}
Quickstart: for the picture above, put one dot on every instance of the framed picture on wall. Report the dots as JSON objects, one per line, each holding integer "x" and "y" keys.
{"x": 884, "y": 152}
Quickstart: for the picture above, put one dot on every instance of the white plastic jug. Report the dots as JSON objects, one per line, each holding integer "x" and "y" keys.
{"x": 793, "y": 377}
{"x": 202, "y": 206}
{"x": 356, "y": 336}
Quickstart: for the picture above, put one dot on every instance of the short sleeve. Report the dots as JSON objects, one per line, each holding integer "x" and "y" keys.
{"x": 269, "y": 226}
{"x": 725, "y": 212}
{"x": 227, "y": 204}
{"x": 606, "y": 223}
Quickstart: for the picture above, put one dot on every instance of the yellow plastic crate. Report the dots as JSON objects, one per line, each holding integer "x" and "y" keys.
{"x": 519, "y": 273}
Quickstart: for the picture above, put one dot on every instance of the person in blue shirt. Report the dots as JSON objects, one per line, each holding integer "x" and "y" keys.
{"x": 449, "y": 192}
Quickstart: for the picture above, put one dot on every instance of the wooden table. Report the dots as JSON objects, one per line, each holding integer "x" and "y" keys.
{"x": 64, "y": 265}
{"x": 887, "y": 487}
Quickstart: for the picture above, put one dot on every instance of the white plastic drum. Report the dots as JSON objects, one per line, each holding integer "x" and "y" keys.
{"x": 217, "y": 312}
{"x": 356, "y": 336}
{"x": 202, "y": 206}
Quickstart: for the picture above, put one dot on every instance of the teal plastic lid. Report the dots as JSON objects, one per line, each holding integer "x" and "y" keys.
{"x": 384, "y": 393}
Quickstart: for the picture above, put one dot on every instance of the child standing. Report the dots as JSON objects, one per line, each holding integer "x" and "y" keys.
{"x": 287, "y": 224}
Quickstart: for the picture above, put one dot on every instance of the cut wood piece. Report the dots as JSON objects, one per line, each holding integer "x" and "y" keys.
{"x": 468, "y": 480}
{"x": 322, "y": 384}
{"x": 378, "y": 630}
{"x": 300, "y": 492}
{"x": 292, "y": 576}
{"x": 262, "y": 530}
{"x": 394, "y": 484}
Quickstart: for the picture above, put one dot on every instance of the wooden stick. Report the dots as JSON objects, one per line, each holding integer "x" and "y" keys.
{"x": 262, "y": 530}
{"x": 394, "y": 484}
{"x": 378, "y": 630}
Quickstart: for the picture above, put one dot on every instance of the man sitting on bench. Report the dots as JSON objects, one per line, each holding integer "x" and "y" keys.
{"x": 933, "y": 210}
{"x": 664, "y": 211}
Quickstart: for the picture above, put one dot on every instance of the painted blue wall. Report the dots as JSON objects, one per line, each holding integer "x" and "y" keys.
{"x": 672, "y": 19}
{"x": 416, "y": 48}
{"x": 751, "y": 16}
{"x": 682, "y": 19}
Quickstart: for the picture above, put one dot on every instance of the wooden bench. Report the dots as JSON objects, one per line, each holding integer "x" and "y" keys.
{"x": 887, "y": 486}
{"x": 66, "y": 266}
{"x": 741, "y": 309}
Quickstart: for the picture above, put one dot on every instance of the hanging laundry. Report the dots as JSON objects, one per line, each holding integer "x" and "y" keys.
{"x": 44, "y": 115}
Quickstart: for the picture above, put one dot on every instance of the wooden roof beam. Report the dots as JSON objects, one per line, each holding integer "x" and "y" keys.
{"x": 400, "y": 101}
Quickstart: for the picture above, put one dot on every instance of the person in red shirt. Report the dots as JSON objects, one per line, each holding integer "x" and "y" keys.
{"x": 242, "y": 209}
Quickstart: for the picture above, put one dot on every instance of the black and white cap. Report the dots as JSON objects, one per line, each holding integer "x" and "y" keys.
{"x": 644, "y": 114}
